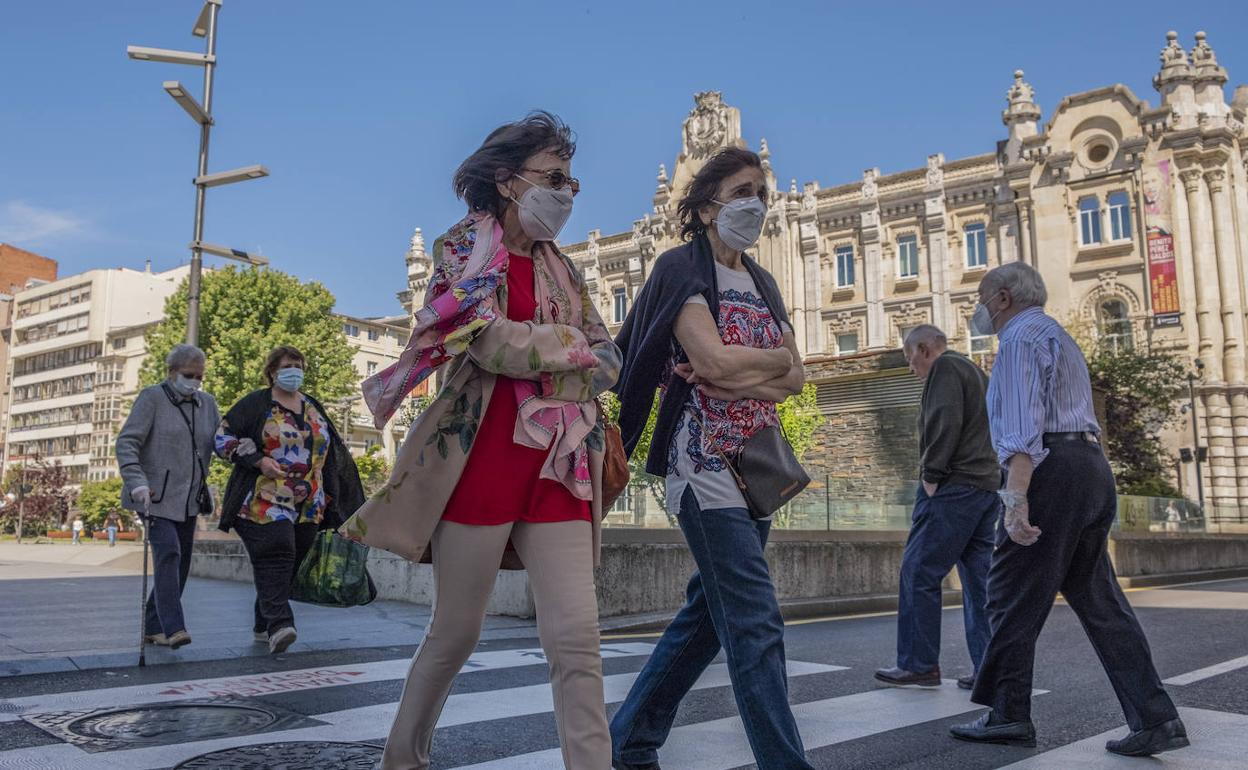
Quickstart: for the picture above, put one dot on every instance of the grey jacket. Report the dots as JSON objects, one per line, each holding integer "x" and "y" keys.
{"x": 155, "y": 450}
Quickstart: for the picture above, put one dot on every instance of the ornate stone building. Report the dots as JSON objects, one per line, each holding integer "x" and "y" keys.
{"x": 1137, "y": 216}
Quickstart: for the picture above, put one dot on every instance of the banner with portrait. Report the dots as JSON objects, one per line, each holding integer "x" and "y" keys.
{"x": 1159, "y": 227}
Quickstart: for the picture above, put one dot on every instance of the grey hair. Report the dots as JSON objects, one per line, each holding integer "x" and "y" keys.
{"x": 924, "y": 333}
{"x": 184, "y": 355}
{"x": 1024, "y": 283}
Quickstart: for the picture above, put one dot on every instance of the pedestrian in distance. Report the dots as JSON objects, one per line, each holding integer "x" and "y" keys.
{"x": 292, "y": 477}
{"x": 163, "y": 452}
{"x": 955, "y": 511}
{"x": 77, "y": 528}
{"x": 524, "y": 354}
{"x": 1059, "y": 504}
{"x": 112, "y": 524}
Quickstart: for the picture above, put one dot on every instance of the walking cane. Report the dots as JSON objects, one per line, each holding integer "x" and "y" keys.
{"x": 143, "y": 601}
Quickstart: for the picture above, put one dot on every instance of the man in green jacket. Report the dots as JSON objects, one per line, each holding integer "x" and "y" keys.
{"x": 955, "y": 512}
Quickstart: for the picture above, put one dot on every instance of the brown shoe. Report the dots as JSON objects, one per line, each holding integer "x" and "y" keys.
{"x": 179, "y": 639}
{"x": 159, "y": 640}
{"x": 899, "y": 677}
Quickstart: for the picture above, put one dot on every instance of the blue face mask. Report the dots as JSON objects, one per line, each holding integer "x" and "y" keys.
{"x": 289, "y": 379}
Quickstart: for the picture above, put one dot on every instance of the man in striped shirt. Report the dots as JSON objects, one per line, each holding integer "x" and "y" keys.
{"x": 1059, "y": 502}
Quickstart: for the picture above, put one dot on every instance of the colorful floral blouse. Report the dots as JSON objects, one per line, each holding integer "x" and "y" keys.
{"x": 299, "y": 442}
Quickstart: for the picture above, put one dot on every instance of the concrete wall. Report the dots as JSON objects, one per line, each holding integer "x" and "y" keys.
{"x": 645, "y": 571}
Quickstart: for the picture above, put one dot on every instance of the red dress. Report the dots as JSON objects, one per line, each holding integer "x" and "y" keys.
{"x": 501, "y": 484}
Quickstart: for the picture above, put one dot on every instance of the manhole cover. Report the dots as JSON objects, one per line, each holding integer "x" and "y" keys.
{"x": 162, "y": 724}
{"x": 294, "y": 755}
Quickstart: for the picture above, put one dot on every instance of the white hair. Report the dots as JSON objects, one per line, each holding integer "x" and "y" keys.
{"x": 182, "y": 356}
{"x": 1024, "y": 283}
{"x": 924, "y": 333}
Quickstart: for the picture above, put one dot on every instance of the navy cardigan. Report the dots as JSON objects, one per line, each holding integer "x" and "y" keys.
{"x": 647, "y": 338}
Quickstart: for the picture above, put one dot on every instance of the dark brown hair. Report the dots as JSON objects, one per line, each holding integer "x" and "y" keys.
{"x": 502, "y": 154}
{"x": 705, "y": 186}
{"x": 275, "y": 359}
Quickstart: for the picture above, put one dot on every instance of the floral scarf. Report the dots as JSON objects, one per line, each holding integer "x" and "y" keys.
{"x": 463, "y": 301}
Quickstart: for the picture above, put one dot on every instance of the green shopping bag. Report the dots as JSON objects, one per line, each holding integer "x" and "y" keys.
{"x": 334, "y": 573}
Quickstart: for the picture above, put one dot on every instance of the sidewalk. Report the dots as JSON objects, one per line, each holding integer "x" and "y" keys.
{"x": 67, "y": 608}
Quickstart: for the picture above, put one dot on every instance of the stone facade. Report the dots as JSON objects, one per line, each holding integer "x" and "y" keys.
{"x": 1137, "y": 216}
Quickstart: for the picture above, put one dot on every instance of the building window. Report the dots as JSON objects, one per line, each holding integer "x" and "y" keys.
{"x": 373, "y": 335}
{"x": 976, "y": 245}
{"x": 846, "y": 343}
{"x": 1089, "y": 222}
{"x": 351, "y": 330}
{"x": 53, "y": 329}
{"x": 1119, "y": 216}
{"x": 903, "y": 332}
{"x": 119, "y": 343}
{"x": 1114, "y": 326}
{"x": 908, "y": 257}
{"x": 372, "y": 368}
{"x": 619, "y": 304}
{"x": 844, "y": 267}
{"x": 980, "y": 344}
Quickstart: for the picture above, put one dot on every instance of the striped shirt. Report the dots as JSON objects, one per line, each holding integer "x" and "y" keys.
{"x": 1039, "y": 385}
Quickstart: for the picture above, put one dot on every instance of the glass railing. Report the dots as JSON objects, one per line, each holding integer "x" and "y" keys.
{"x": 831, "y": 503}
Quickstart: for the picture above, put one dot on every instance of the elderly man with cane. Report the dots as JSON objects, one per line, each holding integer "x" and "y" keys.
{"x": 163, "y": 452}
{"x": 1060, "y": 501}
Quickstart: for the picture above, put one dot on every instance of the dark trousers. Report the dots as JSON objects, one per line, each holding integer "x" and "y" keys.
{"x": 275, "y": 550}
{"x": 730, "y": 603}
{"x": 171, "y": 543}
{"x": 1073, "y": 502}
{"x": 955, "y": 526}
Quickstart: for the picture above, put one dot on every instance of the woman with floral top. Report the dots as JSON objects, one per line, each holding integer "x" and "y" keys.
{"x": 292, "y": 477}
{"x": 709, "y": 328}
{"x": 506, "y": 464}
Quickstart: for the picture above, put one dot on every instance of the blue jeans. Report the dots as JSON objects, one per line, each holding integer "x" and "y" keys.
{"x": 955, "y": 526}
{"x": 730, "y": 600}
{"x": 171, "y": 565}
{"x": 112, "y": 536}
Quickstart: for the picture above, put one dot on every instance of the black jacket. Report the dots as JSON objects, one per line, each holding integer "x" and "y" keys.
{"x": 647, "y": 338}
{"x": 340, "y": 477}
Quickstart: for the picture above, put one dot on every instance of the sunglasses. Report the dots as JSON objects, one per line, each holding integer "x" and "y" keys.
{"x": 556, "y": 179}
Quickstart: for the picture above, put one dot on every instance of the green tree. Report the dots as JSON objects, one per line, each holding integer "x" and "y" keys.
{"x": 243, "y": 314}
{"x": 800, "y": 418}
{"x": 373, "y": 468}
{"x": 97, "y": 499}
{"x": 1140, "y": 387}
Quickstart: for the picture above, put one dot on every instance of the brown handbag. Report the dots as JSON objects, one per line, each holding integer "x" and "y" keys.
{"x": 615, "y": 472}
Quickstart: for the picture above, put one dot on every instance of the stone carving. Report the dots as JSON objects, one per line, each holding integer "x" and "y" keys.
{"x": 1173, "y": 54}
{"x": 1216, "y": 177}
{"x": 1202, "y": 53}
{"x": 870, "y": 190}
{"x": 591, "y": 243}
{"x": 808, "y": 196}
{"x": 1191, "y": 179}
{"x": 935, "y": 172}
{"x": 418, "y": 243}
{"x": 706, "y": 128}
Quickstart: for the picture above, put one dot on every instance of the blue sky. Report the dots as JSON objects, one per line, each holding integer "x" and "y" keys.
{"x": 362, "y": 110}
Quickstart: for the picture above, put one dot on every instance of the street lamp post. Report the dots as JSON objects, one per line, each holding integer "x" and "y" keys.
{"x": 205, "y": 27}
{"x": 1191, "y": 397}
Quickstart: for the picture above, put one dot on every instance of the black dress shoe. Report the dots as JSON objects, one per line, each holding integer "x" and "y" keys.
{"x": 1166, "y": 736}
{"x": 619, "y": 764}
{"x": 982, "y": 730}
{"x": 899, "y": 677}
{"x": 967, "y": 682}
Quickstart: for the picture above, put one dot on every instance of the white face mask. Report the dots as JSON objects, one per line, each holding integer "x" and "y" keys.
{"x": 740, "y": 222}
{"x": 982, "y": 320}
{"x": 185, "y": 386}
{"x": 543, "y": 211}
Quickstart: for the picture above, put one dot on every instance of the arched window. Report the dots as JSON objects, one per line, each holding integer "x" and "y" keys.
{"x": 1113, "y": 324}
{"x": 1089, "y": 221}
{"x": 1119, "y": 216}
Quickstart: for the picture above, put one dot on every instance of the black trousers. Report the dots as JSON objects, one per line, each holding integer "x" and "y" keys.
{"x": 275, "y": 550}
{"x": 1073, "y": 502}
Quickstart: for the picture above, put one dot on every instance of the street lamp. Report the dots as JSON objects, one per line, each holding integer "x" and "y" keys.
{"x": 201, "y": 113}
{"x": 1197, "y": 454}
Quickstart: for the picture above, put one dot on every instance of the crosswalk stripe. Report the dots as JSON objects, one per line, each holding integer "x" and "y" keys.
{"x": 1219, "y": 741}
{"x": 362, "y": 723}
{"x": 721, "y": 744}
{"x": 1208, "y": 671}
{"x": 252, "y": 685}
